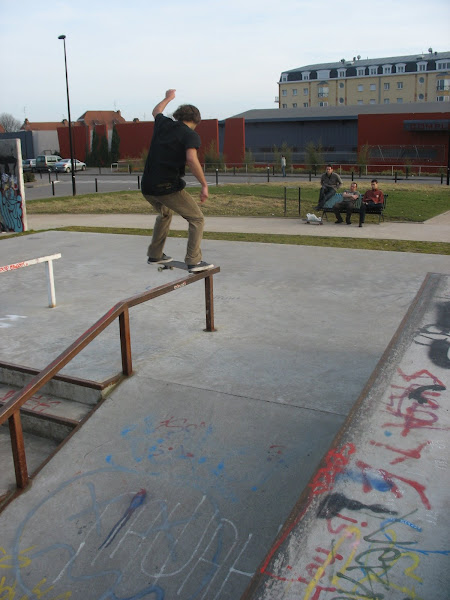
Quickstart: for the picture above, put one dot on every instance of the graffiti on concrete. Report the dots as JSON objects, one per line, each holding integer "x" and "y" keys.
{"x": 369, "y": 527}
{"x": 11, "y": 192}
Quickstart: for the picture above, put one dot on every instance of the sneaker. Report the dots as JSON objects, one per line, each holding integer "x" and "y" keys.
{"x": 200, "y": 266}
{"x": 348, "y": 222}
{"x": 164, "y": 259}
{"x": 338, "y": 221}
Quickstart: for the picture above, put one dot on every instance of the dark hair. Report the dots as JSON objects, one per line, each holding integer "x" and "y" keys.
{"x": 374, "y": 181}
{"x": 331, "y": 166}
{"x": 188, "y": 113}
{"x": 354, "y": 183}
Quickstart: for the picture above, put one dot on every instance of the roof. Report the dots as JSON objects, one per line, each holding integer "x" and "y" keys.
{"x": 341, "y": 112}
{"x": 374, "y": 61}
{"x": 44, "y": 126}
{"x": 101, "y": 117}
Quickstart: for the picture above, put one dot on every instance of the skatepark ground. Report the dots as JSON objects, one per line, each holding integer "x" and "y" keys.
{"x": 180, "y": 481}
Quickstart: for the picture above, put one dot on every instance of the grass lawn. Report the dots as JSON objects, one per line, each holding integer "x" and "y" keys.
{"x": 406, "y": 202}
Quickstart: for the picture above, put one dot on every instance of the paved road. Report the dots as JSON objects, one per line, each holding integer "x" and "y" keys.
{"x": 112, "y": 182}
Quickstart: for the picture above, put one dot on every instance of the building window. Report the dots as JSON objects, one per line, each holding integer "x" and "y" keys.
{"x": 361, "y": 72}
{"x": 322, "y": 91}
{"x": 360, "y": 87}
{"x": 421, "y": 79}
{"x": 284, "y": 92}
{"x": 386, "y": 101}
{"x": 400, "y": 68}
{"x": 373, "y": 70}
{"x": 399, "y": 100}
{"x": 360, "y": 102}
{"x": 341, "y": 85}
{"x": 323, "y": 103}
{"x": 284, "y": 106}
{"x": 387, "y": 86}
{"x": 421, "y": 96}
{"x": 294, "y": 92}
{"x": 305, "y": 76}
{"x": 443, "y": 99}
{"x": 341, "y": 73}
{"x": 371, "y": 101}
{"x": 341, "y": 100}
{"x": 422, "y": 66}
{"x": 305, "y": 91}
{"x": 443, "y": 85}
{"x": 373, "y": 87}
{"x": 387, "y": 69}
{"x": 305, "y": 105}
{"x": 442, "y": 65}
{"x": 284, "y": 77}
{"x": 294, "y": 105}
{"x": 399, "y": 85}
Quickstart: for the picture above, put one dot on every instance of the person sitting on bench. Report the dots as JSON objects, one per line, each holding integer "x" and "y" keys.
{"x": 349, "y": 197}
{"x": 372, "y": 197}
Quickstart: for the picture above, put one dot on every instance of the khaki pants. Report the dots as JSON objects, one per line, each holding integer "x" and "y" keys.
{"x": 183, "y": 204}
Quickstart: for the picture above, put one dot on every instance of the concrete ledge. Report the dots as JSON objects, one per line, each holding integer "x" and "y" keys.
{"x": 71, "y": 388}
{"x": 372, "y": 521}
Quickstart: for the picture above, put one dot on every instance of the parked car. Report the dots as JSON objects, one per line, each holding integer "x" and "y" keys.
{"x": 46, "y": 162}
{"x": 29, "y": 164}
{"x": 65, "y": 166}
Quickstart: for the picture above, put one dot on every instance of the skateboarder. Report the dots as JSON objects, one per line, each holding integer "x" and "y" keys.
{"x": 174, "y": 144}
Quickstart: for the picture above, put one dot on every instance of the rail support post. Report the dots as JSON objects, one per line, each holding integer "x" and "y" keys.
{"x": 18, "y": 450}
{"x": 125, "y": 342}
{"x": 209, "y": 302}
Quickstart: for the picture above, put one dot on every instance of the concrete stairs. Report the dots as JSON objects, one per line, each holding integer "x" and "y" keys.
{"x": 48, "y": 418}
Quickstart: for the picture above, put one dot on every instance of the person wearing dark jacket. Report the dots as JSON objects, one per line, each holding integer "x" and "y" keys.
{"x": 174, "y": 144}
{"x": 330, "y": 183}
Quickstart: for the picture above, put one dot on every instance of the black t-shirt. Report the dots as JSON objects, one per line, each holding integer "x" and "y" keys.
{"x": 166, "y": 159}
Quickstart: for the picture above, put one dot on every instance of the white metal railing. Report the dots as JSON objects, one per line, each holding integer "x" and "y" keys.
{"x": 48, "y": 260}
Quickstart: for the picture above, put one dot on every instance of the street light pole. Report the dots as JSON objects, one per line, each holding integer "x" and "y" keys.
{"x": 63, "y": 38}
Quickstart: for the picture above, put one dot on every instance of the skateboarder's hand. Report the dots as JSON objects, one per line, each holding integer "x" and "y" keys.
{"x": 204, "y": 193}
{"x": 170, "y": 94}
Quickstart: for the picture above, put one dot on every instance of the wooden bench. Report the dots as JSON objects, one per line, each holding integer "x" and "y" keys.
{"x": 377, "y": 209}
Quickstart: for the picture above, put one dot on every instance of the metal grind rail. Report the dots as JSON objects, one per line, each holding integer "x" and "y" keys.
{"x": 11, "y": 410}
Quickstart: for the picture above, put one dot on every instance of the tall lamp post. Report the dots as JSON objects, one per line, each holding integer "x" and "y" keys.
{"x": 63, "y": 38}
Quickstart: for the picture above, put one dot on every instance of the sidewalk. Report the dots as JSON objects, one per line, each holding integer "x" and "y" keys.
{"x": 434, "y": 230}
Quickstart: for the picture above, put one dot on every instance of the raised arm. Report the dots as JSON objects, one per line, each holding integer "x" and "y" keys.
{"x": 159, "y": 108}
{"x": 197, "y": 171}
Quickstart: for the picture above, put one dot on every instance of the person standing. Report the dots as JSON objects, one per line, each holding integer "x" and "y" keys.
{"x": 330, "y": 183}
{"x": 283, "y": 165}
{"x": 174, "y": 144}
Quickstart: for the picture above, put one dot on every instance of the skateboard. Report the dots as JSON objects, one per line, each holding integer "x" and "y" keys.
{"x": 176, "y": 264}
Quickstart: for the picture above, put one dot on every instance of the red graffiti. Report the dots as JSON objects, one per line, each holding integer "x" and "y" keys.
{"x": 335, "y": 461}
{"x": 413, "y": 453}
{"x": 389, "y": 479}
{"x": 37, "y": 403}
{"x": 414, "y": 405}
{"x": 180, "y": 424}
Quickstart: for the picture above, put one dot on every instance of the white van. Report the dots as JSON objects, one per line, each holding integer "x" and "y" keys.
{"x": 46, "y": 162}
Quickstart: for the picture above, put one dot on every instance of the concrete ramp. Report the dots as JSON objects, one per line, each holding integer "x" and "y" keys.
{"x": 373, "y": 520}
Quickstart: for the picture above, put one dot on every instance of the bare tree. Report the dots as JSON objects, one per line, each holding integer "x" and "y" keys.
{"x": 9, "y": 122}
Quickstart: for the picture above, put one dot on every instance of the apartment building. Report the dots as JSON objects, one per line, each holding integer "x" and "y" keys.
{"x": 393, "y": 80}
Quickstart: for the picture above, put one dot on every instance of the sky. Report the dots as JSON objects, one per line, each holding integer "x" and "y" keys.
{"x": 224, "y": 56}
